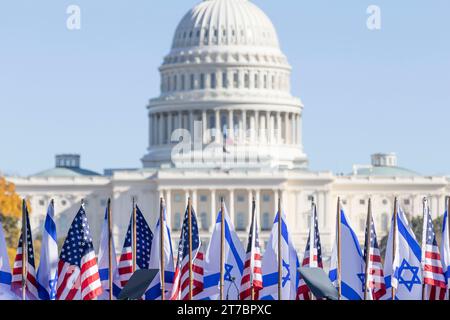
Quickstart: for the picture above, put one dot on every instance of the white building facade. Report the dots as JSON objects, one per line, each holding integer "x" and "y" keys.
{"x": 226, "y": 126}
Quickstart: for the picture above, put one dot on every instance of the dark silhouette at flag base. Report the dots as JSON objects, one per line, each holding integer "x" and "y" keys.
{"x": 138, "y": 284}
{"x": 318, "y": 282}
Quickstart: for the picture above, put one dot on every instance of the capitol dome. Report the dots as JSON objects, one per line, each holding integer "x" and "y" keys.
{"x": 226, "y": 71}
{"x": 225, "y": 23}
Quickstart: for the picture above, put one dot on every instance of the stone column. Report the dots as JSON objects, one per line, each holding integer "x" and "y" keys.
{"x": 286, "y": 127}
{"x": 299, "y": 129}
{"x": 168, "y": 200}
{"x": 180, "y": 119}
{"x": 204, "y": 127}
{"x": 230, "y": 122}
{"x": 161, "y": 129}
{"x": 218, "y": 127}
{"x": 279, "y": 136}
{"x": 294, "y": 129}
{"x": 169, "y": 128}
{"x": 213, "y": 210}
{"x": 231, "y": 207}
{"x": 191, "y": 122}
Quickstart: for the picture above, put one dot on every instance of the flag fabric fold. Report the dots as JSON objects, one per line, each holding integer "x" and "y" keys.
{"x": 154, "y": 292}
{"x": 375, "y": 273}
{"x": 48, "y": 265}
{"x": 181, "y": 281}
{"x": 31, "y": 285}
{"x": 433, "y": 273}
{"x": 5, "y": 270}
{"x": 103, "y": 262}
{"x": 78, "y": 276}
{"x": 290, "y": 276}
{"x": 351, "y": 262}
{"x": 234, "y": 255}
{"x": 313, "y": 254}
{"x": 445, "y": 250}
{"x": 144, "y": 238}
{"x": 402, "y": 269}
{"x": 252, "y": 274}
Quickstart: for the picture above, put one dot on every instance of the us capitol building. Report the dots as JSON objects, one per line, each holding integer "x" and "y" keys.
{"x": 226, "y": 125}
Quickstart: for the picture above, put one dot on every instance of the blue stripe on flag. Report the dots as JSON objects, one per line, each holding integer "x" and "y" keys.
{"x": 270, "y": 279}
{"x": 229, "y": 239}
{"x": 355, "y": 239}
{"x": 5, "y": 277}
{"x": 349, "y": 293}
{"x": 333, "y": 275}
{"x": 411, "y": 242}
{"x": 211, "y": 280}
{"x": 50, "y": 227}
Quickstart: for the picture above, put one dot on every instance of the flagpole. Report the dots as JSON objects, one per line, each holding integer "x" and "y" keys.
{"x": 134, "y": 236}
{"x": 394, "y": 236}
{"x": 448, "y": 228}
{"x": 161, "y": 248}
{"x": 24, "y": 248}
{"x": 339, "y": 251}
{"x": 368, "y": 247}
{"x": 222, "y": 247}
{"x": 253, "y": 231}
{"x": 424, "y": 240}
{"x": 110, "y": 252}
{"x": 280, "y": 265}
{"x": 312, "y": 239}
{"x": 190, "y": 247}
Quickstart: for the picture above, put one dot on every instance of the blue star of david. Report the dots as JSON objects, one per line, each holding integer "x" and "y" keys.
{"x": 362, "y": 277}
{"x": 409, "y": 284}
{"x": 288, "y": 275}
{"x": 227, "y": 276}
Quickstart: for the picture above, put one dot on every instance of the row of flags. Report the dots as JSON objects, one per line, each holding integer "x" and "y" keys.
{"x": 226, "y": 271}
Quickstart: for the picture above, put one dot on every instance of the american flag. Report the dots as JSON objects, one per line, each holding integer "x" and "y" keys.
{"x": 16, "y": 281}
{"x": 78, "y": 276}
{"x": 180, "y": 289}
{"x": 312, "y": 257}
{"x": 433, "y": 273}
{"x": 252, "y": 274}
{"x": 375, "y": 272}
{"x": 144, "y": 237}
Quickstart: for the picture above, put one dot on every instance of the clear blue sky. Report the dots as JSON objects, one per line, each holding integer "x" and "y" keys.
{"x": 86, "y": 91}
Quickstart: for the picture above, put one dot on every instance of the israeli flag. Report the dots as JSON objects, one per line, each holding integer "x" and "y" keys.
{"x": 48, "y": 265}
{"x": 290, "y": 277}
{"x": 445, "y": 250}
{"x": 103, "y": 262}
{"x": 352, "y": 262}
{"x": 404, "y": 272}
{"x": 154, "y": 291}
{"x": 234, "y": 263}
{"x": 5, "y": 270}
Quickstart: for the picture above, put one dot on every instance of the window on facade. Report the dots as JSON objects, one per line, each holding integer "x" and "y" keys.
{"x": 385, "y": 202}
{"x": 266, "y": 198}
{"x": 240, "y": 198}
{"x": 63, "y": 202}
{"x": 41, "y": 203}
{"x": 240, "y": 223}
{"x": 202, "y": 81}
{"x": 265, "y": 81}
{"x": 247, "y": 81}
{"x": 183, "y": 82}
{"x": 203, "y": 198}
{"x": 177, "y": 221}
{"x": 213, "y": 81}
{"x": 265, "y": 223}
{"x": 311, "y": 198}
{"x": 177, "y": 197}
{"x": 344, "y": 202}
{"x": 175, "y": 83}
{"x": 406, "y": 202}
{"x": 236, "y": 80}
{"x": 225, "y": 80}
{"x": 362, "y": 202}
{"x": 256, "y": 81}
{"x": 169, "y": 88}
{"x": 103, "y": 202}
{"x": 204, "y": 221}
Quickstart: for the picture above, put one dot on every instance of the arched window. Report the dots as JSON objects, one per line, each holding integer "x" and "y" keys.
{"x": 175, "y": 83}
{"x": 240, "y": 223}
{"x": 192, "y": 82}
{"x": 265, "y": 81}
{"x": 265, "y": 224}
{"x": 256, "y": 81}
{"x": 225, "y": 80}
{"x": 177, "y": 221}
{"x": 236, "y": 80}
{"x": 204, "y": 221}
{"x": 183, "y": 84}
